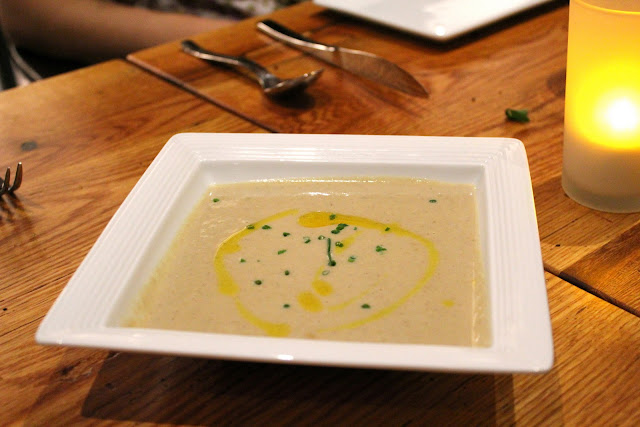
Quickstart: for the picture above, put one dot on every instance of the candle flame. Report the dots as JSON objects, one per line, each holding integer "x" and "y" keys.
{"x": 622, "y": 115}
{"x": 603, "y": 102}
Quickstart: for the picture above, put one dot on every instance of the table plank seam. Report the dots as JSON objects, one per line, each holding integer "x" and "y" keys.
{"x": 595, "y": 292}
{"x": 186, "y": 88}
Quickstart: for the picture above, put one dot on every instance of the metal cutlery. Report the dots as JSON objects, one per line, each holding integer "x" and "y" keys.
{"x": 5, "y": 184}
{"x": 271, "y": 84}
{"x": 358, "y": 62}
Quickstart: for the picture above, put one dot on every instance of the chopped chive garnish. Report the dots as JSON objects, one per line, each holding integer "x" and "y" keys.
{"x": 285, "y": 234}
{"x": 521, "y": 116}
{"x": 266, "y": 227}
{"x": 243, "y": 260}
{"x": 281, "y": 251}
{"x": 287, "y": 272}
{"x": 352, "y": 258}
{"x": 332, "y": 217}
{"x": 331, "y": 261}
{"x": 325, "y": 272}
{"x": 380, "y": 248}
{"x": 216, "y": 200}
{"x": 258, "y": 282}
{"x": 365, "y": 306}
{"x": 250, "y": 227}
{"x": 286, "y": 306}
{"x": 321, "y": 237}
{"x": 306, "y": 239}
{"x": 355, "y": 228}
{"x": 387, "y": 229}
{"x": 339, "y": 244}
{"x": 433, "y": 201}
{"x": 339, "y": 228}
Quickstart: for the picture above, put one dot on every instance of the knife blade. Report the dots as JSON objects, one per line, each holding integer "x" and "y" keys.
{"x": 358, "y": 62}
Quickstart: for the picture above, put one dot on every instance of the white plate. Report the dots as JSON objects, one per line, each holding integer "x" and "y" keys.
{"x": 437, "y": 19}
{"x": 136, "y": 238}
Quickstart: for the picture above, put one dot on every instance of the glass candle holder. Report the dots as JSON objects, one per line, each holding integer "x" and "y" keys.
{"x": 601, "y": 152}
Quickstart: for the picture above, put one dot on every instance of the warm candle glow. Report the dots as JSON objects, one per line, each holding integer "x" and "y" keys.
{"x": 601, "y": 152}
{"x": 604, "y": 103}
{"x": 616, "y": 120}
{"x": 622, "y": 116}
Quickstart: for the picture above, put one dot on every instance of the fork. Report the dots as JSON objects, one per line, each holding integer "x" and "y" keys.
{"x": 5, "y": 186}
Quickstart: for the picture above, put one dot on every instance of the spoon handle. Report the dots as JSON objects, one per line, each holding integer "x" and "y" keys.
{"x": 264, "y": 77}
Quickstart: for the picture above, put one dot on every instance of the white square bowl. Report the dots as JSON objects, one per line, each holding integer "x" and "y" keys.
{"x": 87, "y": 311}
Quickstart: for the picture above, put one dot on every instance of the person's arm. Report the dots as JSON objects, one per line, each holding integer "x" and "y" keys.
{"x": 94, "y": 30}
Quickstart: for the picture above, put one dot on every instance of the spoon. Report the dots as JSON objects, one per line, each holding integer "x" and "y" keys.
{"x": 271, "y": 85}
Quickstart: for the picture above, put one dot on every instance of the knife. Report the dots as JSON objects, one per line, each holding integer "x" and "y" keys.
{"x": 361, "y": 63}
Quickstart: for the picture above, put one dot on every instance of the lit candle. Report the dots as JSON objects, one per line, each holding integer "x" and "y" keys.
{"x": 601, "y": 153}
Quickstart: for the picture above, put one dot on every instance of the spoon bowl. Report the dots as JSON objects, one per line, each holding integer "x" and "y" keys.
{"x": 295, "y": 83}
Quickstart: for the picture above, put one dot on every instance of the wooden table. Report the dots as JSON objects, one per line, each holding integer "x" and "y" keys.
{"x": 86, "y": 137}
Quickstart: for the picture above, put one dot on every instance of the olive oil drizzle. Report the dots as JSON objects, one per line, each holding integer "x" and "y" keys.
{"x": 226, "y": 283}
{"x": 308, "y": 300}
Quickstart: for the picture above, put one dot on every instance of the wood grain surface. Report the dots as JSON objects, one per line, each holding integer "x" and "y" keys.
{"x": 594, "y": 382}
{"x": 84, "y": 138}
{"x": 612, "y": 271}
{"x": 517, "y": 63}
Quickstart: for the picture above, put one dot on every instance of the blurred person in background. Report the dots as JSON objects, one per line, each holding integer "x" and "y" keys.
{"x": 89, "y": 31}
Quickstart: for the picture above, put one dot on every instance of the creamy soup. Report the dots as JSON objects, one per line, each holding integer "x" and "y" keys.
{"x": 361, "y": 259}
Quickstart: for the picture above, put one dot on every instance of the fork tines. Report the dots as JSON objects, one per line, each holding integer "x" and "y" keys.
{"x": 5, "y": 186}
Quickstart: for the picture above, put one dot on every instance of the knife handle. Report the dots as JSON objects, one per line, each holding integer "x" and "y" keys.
{"x": 290, "y": 37}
